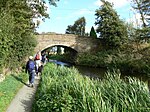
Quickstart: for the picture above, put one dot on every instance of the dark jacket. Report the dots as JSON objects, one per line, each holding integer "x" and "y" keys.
{"x": 30, "y": 66}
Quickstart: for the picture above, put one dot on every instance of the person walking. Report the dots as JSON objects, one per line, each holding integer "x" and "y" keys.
{"x": 30, "y": 69}
{"x": 44, "y": 59}
{"x": 37, "y": 60}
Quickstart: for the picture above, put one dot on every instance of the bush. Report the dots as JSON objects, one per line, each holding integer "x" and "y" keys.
{"x": 124, "y": 60}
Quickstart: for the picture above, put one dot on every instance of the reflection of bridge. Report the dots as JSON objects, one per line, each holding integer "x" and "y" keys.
{"x": 78, "y": 43}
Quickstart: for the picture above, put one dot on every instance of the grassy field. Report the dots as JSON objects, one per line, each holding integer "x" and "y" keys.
{"x": 9, "y": 87}
{"x": 65, "y": 90}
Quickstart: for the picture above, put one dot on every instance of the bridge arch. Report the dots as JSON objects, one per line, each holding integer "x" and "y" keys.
{"x": 78, "y": 43}
{"x": 56, "y": 45}
{"x": 54, "y": 49}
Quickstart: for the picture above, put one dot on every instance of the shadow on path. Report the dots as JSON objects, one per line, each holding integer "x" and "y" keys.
{"x": 19, "y": 79}
{"x": 27, "y": 103}
{"x": 24, "y": 99}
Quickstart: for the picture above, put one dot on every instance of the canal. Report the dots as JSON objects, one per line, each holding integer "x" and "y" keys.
{"x": 98, "y": 72}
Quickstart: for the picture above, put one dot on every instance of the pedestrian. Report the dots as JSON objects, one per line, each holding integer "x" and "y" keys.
{"x": 37, "y": 60}
{"x": 30, "y": 69}
{"x": 40, "y": 69}
{"x": 44, "y": 59}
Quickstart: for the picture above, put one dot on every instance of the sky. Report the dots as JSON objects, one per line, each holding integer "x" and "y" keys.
{"x": 68, "y": 11}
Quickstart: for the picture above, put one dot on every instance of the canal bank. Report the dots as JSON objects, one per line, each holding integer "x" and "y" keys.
{"x": 95, "y": 72}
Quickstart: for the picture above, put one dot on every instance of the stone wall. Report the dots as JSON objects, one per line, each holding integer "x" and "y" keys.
{"x": 78, "y": 43}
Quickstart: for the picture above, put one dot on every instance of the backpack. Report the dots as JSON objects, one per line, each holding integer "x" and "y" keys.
{"x": 31, "y": 66}
{"x": 37, "y": 57}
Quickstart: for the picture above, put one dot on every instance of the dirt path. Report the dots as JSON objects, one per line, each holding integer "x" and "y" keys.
{"x": 24, "y": 99}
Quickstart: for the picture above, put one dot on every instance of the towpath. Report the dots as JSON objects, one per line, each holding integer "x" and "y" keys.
{"x": 24, "y": 99}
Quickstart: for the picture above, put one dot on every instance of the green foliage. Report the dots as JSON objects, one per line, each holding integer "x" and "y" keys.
{"x": 67, "y": 57}
{"x": 9, "y": 87}
{"x": 106, "y": 59}
{"x": 143, "y": 34}
{"x": 142, "y": 7}
{"x": 88, "y": 59}
{"x": 6, "y": 37}
{"x": 125, "y": 59}
{"x": 145, "y": 9}
{"x": 53, "y": 2}
{"x": 93, "y": 33}
{"x": 110, "y": 28}
{"x": 131, "y": 31}
{"x": 20, "y": 40}
{"x": 55, "y": 57}
{"x": 78, "y": 28}
{"x": 65, "y": 90}
{"x": 17, "y": 29}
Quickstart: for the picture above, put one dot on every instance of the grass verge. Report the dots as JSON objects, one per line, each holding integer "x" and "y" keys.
{"x": 9, "y": 87}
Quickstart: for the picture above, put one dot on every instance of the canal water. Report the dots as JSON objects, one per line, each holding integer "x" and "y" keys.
{"x": 99, "y": 72}
{"x": 91, "y": 72}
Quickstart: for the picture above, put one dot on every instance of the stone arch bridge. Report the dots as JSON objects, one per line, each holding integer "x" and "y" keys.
{"x": 78, "y": 43}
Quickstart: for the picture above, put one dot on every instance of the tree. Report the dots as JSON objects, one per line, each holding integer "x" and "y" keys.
{"x": 17, "y": 29}
{"x": 78, "y": 28}
{"x": 110, "y": 28}
{"x": 70, "y": 29}
{"x": 131, "y": 30}
{"x": 146, "y": 10}
{"x": 93, "y": 33}
{"x": 6, "y": 37}
{"x": 143, "y": 8}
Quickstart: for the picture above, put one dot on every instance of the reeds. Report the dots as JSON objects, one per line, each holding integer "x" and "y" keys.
{"x": 65, "y": 90}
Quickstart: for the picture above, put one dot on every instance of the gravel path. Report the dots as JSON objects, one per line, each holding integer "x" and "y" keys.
{"x": 24, "y": 99}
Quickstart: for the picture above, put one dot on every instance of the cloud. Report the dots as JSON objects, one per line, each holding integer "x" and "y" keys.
{"x": 84, "y": 12}
{"x": 136, "y": 20}
{"x": 80, "y": 13}
{"x": 66, "y": 2}
{"x": 98, "y": 3}
{"x": 87, "y": 29}
{"x": 117, "y": 3}
{"x": 58, "y": 18}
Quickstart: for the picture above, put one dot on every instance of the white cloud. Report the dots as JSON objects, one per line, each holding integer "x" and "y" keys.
{"x": 88, "y": 29}
{"x": 80, "y": 13}
{"x": 117, "y": 3}
{"x": 83, "y": 12}
{"x": 66, "y": 2}
{"x": 136, "y": 20}
{"x": 98, "y": 3}
{"x": 58, "y": 18}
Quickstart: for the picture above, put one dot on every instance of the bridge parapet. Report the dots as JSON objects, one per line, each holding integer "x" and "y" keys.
{"x": 78, "y": 43}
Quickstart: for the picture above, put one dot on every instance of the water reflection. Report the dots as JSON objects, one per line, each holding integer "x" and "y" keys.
{"x": 91, "y": 72}
{"x": 60, "y": 63}
{"x": 100, "y": 72}
{"x": 87, "y": 71}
